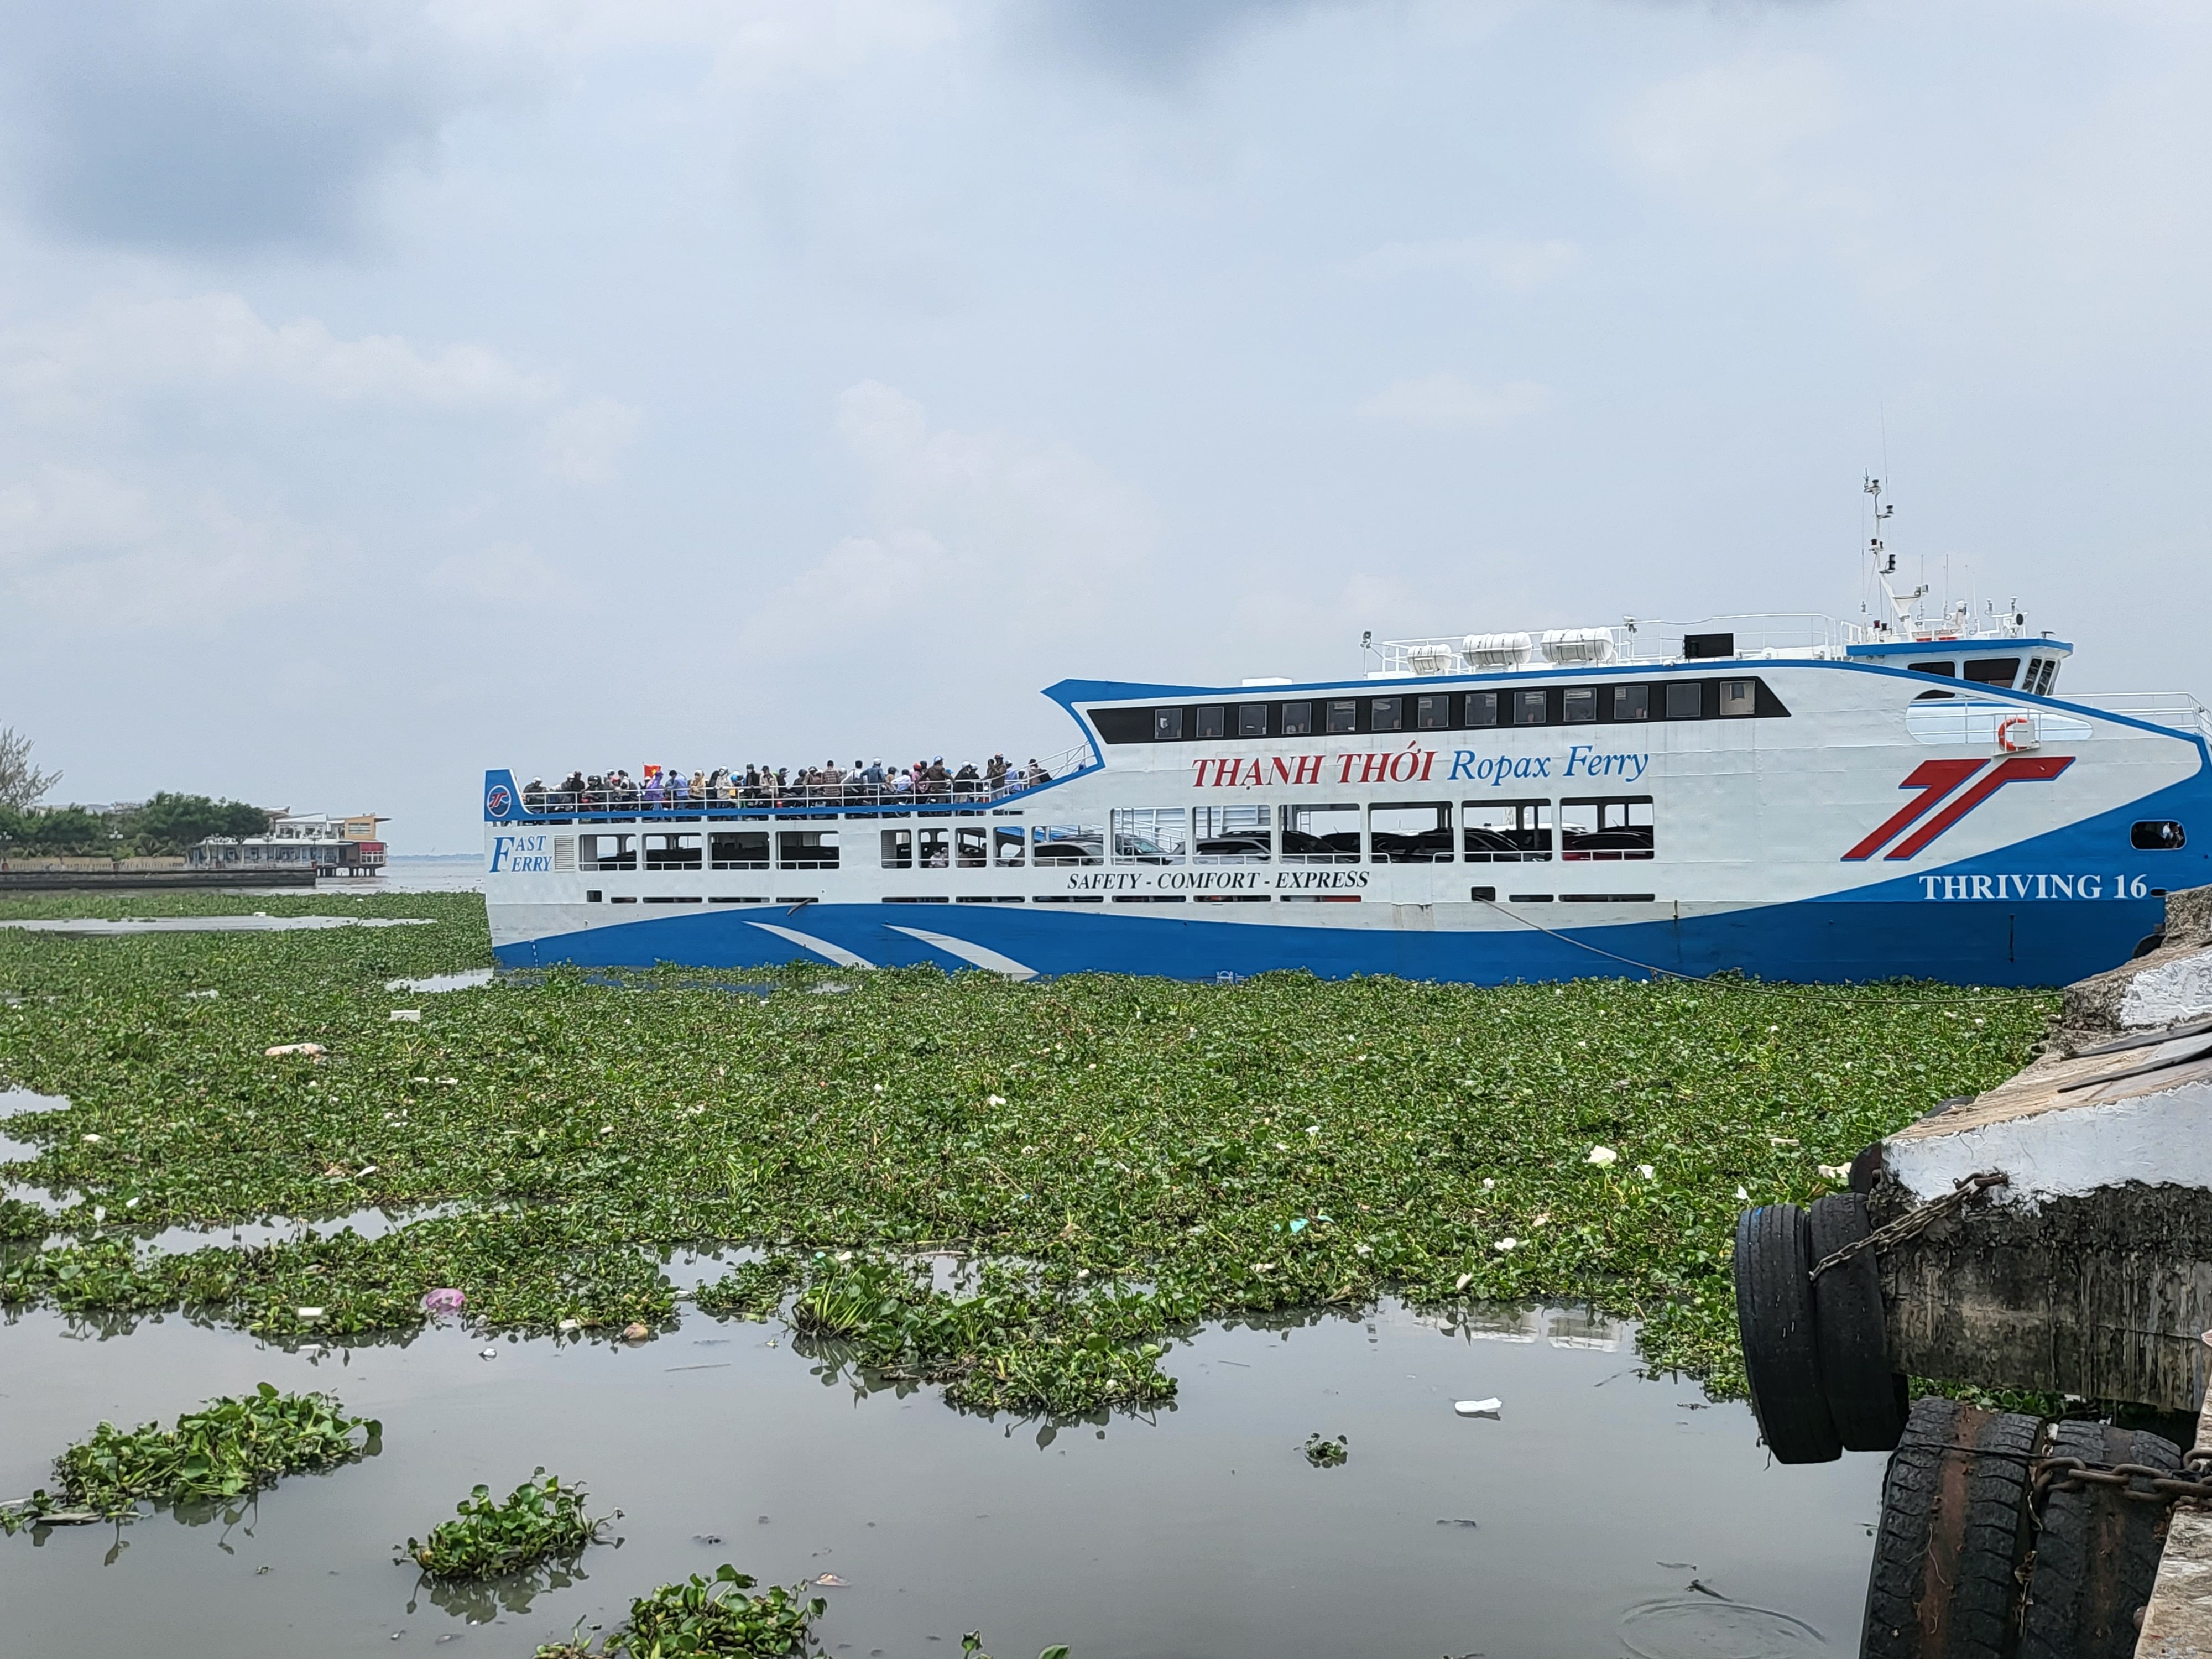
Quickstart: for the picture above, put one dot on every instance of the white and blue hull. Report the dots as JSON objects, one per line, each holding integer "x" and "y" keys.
{"x": 1861, "y": 832}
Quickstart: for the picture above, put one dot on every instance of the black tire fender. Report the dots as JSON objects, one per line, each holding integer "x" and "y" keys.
{"x": 2097, "y": 1553}
{"x": 1774, "y": 1322}
{"x": 1867, "y": 1398}
{"x": 1955, "y": 1531}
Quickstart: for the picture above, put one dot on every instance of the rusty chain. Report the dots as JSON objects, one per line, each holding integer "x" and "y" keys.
{"x": 1914, "y": 1220}
{"x": 2136, "y": 1481}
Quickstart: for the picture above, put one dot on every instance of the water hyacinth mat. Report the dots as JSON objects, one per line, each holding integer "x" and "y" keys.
{"x": 1113, "y": 1159}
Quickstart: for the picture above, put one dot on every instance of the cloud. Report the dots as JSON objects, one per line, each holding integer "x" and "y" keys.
{"x": 1730, "y": 132}
{"x": 1151, "y": 40}
{"x": 990, "y": 539}
{"x": 509, "y": 575}
{"x": 1444, "y": 401}
{"x": 211, "y": 124}
{"x": 1509, "y": 261}
{"x": 583, "y": 442}
{"x": 84, "y": 552}
{"x": 120, "y": 349}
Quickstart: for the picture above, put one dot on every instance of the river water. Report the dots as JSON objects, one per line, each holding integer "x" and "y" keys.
{"x": 1598, "y": 1514}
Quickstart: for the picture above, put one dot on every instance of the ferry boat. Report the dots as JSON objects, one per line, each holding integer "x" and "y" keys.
{"x": 1797, "y": 798}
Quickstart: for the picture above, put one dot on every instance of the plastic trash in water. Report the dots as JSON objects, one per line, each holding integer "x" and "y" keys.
{"x": 414, "y": 1015}
{"x": 313, "y": 1050}
{"x": 1298, "y": 1223}
{"x": 1602, "y": 1156}
{"x": 444, "y": 1302}
{"x": 1478, "y": 1407}
{"x": 489, "y": 1353}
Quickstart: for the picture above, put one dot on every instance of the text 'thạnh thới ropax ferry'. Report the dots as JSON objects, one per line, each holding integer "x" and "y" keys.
{"x": 1792, "y": 798}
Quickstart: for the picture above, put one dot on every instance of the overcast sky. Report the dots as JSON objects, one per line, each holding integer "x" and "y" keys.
{"x": 388, "y": 390}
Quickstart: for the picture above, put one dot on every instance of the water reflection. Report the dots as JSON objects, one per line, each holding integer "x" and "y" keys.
{"x": 1708, "y": 1625}
{"x": 467, "y": 978}
{"x": 483, "y": 1600}
{"x": 727, "y": 1440}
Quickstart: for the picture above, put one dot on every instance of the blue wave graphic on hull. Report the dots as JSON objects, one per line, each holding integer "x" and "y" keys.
{"x": 1977, "y": 945}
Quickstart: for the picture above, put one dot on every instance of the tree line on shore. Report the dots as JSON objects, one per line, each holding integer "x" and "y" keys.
{"x": 168, "y": 823}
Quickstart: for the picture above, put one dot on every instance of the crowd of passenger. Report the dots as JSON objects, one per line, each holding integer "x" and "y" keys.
{"x": 669, "y": 789}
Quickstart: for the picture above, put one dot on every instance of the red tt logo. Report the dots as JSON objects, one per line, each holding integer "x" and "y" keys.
{"x": 1937, "y": 780}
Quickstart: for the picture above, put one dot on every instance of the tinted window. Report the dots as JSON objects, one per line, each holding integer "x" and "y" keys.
{"x": 1320, "y": 834}
{"x": 1610, "y": 828}
{"x": 1167, "y": 725}
{"x": 1149, "y": 835}
{"x": 1631, "y": 702}
{"x": 1389, "y": 714}
{"x": 2158, "y": 835}
{"x": 806, "y": 849}
{"x": 1580, "y": 703}
{"x": 1343, "y": 717}
{"x": 1738, "y": 697}
{"x": 1505, "y": 831}
{"x": 606, "y": 852}
{"x": 1430, "y": 714}
{"x": 1994, "y": 670}
{"x": 739, "y": 849}
{"x": 1529, "y": 708}
{"x": 1685, "y": 700}
{"x": 1945, "y": 669}
{"x": 1482, "y": 709}
{"x": 1252, "y": 720}
{"x": 672, "y": 852}
{"x": 1410, "y": 833}
{"x": 1297, "y": 719}
{"x": 1212, "y": 722}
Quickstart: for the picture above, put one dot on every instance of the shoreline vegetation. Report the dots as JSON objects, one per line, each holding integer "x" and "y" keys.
{"x": 1112, "y": 1160}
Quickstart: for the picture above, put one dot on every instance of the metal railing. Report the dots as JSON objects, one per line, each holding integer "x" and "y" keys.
{"x": 2176, "y": 709}
{"x": 1642, "y": 640}
{"x": 731, "y": 800}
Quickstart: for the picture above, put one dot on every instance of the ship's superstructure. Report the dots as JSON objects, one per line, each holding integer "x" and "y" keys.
{"x": 1793, "y": 798}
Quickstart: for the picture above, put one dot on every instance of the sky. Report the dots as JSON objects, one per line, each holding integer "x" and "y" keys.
{"x": 391, "y": 391}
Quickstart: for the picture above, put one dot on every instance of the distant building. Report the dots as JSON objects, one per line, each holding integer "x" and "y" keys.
{"x": 299, "y": 841}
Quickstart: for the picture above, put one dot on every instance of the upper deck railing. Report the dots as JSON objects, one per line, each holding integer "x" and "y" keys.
{"x": 771, "y": 798}
{"x": 1645, "y": 640}
{"x": 2176, "y": 709}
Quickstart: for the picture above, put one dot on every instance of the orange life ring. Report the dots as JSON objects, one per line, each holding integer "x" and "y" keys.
{"x": 2004, "y": 734}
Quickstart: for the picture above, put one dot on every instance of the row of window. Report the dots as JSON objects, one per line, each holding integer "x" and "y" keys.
{"x": 1476, "y": 895}
{"x": 1489, "y": 831}
{"x": 1401, "y": 832}
{"x": 1441, "y": 711}
{"x": 1589, "y": 827}
{"x": 2001, "y": 671}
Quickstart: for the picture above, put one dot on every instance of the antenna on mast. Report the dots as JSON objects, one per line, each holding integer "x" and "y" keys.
{"x": 1884, "y": 562}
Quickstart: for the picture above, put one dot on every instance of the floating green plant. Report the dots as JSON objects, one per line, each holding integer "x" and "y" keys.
{"x": 1116, "y": 1158}
{"x": 712, "y": 1618}
{"x": 751, "y": 1290}
{"x": 1325, "y": 1454}
{"x": 541, "y": 1518}
{"x": 229, "y": 1448}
